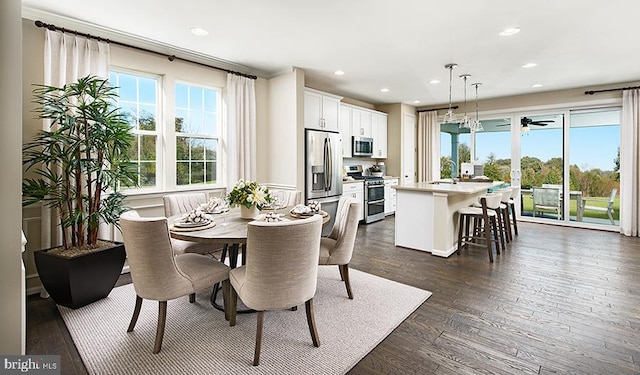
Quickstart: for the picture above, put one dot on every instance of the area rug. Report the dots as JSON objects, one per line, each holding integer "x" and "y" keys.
{"x": 198, "y": 340}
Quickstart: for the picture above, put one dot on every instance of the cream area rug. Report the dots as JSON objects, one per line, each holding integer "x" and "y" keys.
{"x": 198, "y": 340}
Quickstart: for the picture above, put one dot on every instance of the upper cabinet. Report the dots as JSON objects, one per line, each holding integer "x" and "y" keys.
{"x": 379, "y": 134}
{"x": 345, "y": 129}
{"x": 361, "y": 122}
{"x": 321, "y": 110}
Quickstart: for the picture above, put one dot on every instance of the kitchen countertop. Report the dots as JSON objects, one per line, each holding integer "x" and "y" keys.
{"x": 354, "y": 181}
{"x": 448, "y": 187}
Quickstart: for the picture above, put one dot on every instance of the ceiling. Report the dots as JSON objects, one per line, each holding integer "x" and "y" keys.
{"x": 400, "y": 45}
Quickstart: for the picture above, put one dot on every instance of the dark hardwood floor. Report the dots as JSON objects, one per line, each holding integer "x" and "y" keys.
{"x": 557, "y": 301}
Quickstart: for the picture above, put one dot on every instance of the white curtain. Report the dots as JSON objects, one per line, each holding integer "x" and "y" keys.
{"x": 630, "y": 163}
{"x": 68, "y": 57}
{"x": 428, "y": 146}
{"x": 241, "y": 129}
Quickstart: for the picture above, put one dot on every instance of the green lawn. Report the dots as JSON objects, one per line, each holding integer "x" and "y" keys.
{"x": 528, "y": 207}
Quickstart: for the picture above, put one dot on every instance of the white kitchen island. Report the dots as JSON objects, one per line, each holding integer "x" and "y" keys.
{"x": 426, "y": 216}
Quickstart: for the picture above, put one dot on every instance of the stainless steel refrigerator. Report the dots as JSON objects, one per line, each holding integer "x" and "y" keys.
{"x": 323, "y": 171}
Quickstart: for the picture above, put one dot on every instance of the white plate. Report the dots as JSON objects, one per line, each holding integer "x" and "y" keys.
{"x": 178, "y": 223}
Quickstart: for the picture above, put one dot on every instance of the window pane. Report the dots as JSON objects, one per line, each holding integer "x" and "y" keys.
{"x": 210, "y": 100}
{"x": 182, "y": 173}
{"x": 128, "y": 87}
{"x": 197, "y": 172}
{"x": 147, "y": 174}
{"x": 181, "y": 96}
{"x": 182, "y": 148}
{"x": 210, "y": 173}
{"x": 210, "y": 150}
{"x": 197, "y": 149}
{"x": 182, "y": 116}
{"x": 147, "y": 119}
{"x": 147, "y": 90}
{"x": 210, "y": 124}
{"x": 195, "y": 98}
{"x": 135, "y": 147}
{"x": 148, "y": 147}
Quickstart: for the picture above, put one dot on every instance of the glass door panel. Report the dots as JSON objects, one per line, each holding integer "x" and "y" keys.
{"x": 594, "y": 159}
{"x": 492, "y": 148}
{"x": 542, "y": 167}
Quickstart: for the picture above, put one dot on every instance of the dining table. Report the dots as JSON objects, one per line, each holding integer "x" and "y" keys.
{"x": 229, "y": 230}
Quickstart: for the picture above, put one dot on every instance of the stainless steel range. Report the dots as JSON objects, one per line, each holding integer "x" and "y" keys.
{"x": 373, "y": 193}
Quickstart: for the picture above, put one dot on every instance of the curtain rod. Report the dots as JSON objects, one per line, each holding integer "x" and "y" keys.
{"x": 171, "y": 57}
{"x": 609, "y": 90}
{"x": 436, "y": 109}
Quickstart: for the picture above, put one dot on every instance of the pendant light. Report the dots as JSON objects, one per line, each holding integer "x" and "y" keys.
{"x": 466, "y": 121}
{"x": 476, "y": 125}
{"x": 450, "y": 116}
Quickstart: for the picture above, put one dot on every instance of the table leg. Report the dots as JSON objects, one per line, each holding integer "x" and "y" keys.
{"x": 233, "y": 251}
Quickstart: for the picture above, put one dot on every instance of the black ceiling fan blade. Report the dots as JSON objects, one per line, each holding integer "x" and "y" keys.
{"x": 539, "y": 123}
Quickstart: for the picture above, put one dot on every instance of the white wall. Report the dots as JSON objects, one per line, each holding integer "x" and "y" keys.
{"x": 11, "y": 294}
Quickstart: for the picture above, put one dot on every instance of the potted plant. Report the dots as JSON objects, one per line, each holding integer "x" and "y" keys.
{"x": 79, "y": 164}
{"x": 250, "y": 196}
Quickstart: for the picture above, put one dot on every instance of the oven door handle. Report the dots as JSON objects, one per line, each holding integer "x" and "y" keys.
{"x": 378, "y": 202}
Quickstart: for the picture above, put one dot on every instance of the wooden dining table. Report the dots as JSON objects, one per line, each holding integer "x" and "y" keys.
{"x": 230, "y": 232}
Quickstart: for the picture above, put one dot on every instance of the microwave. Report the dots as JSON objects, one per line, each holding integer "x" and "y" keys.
{"x": 362, "y": 146}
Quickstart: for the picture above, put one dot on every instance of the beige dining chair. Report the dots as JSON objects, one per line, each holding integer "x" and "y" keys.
{"x": 337, "y": 248}
{"x": 291, "y": 197}
{"x": 281, "y": 271}
{"x": 158, "y": 274}
{"x": 175, "y": 204}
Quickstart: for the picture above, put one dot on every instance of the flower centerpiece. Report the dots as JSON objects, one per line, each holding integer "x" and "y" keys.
{"x": 250, "y": 196}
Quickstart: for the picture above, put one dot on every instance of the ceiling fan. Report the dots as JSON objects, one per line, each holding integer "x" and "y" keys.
{"x": 525, "y": 121}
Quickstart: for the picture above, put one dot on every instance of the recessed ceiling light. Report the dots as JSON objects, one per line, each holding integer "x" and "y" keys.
{"x": 384, "y": 90}
{"x": 509, "y": 31}
{"x": 199, "y": 31}
{"x": 338, "y": 73}
{"x": 416, "y": 101}
{"x": 529, "y": 65}
{"x": 536, "y": 85}
{"x": 434, "y": 81}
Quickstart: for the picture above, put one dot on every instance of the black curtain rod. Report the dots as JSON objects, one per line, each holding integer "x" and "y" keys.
{"x": 171, "y": 58}
{"x": 609, "y": 90}
{"x": 436, "y": 109}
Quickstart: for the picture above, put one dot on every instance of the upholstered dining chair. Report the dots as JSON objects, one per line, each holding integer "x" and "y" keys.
{"x": 337, "y": 248}
{"x": 160, "y": 275}
{"x": 175, "y": 204}
{"x": 281, "y": 271}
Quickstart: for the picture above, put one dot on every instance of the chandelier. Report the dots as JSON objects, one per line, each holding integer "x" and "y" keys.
{"x": 476, "y": 125}
{"x": 466, "y": 121}
{"x": 450, "y": 116}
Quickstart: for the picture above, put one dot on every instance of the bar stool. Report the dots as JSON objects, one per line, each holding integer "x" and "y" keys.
{"x": 505, "y": 205}
{"x": 484, "y": 224}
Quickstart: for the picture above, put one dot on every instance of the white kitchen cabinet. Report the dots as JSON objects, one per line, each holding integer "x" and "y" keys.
{"x": 321, "y": 110}
{"x": 379, "y": 134}
{"x": 344, "y": 124}
{"x": 356, "y": 190}
{"x": 361, "y": 122}
{"x": 390, "y": 196}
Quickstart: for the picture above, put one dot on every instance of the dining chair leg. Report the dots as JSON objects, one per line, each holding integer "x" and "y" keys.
{"x": 233, "y": 305}
{"x": 162, "y": 318}
{"x": 192, "y": 298}
{"x": 226, "y": 285}
{"x": 345, "y": 276}
{"x": 136, "y": 313}
{"x": 341, "y": 275}
{"x": 256, "y": 354}
{"x": 311, "y": 321}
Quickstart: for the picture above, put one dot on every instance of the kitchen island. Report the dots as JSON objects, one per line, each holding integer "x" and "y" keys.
{"x": 426, "y": 213}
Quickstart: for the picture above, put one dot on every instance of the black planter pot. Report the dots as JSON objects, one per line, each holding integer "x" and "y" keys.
{"x": 79, "y": 281}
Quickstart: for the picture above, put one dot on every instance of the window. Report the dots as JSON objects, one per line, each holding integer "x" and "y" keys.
{"x": 138, "y": 101}
{"x": 197, "y": 119}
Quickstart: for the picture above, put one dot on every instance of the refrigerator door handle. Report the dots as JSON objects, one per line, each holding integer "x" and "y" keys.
{"x": 330, "y": 165}
{"x": 325, "y": 163}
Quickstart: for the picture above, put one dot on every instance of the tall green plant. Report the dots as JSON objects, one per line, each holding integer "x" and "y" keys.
{"x": 81, "y": 160}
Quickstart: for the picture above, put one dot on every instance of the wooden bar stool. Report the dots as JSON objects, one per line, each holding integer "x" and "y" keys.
{"x": 515, "y": 194}
{"x": 484, "y": 225}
